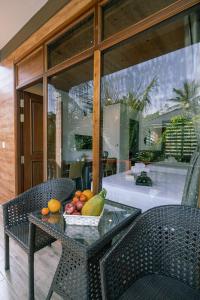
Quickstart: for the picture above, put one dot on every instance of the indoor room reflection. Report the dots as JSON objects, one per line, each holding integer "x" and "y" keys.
{"x": 151, "y": 114}
{"x": 70, "y": 111}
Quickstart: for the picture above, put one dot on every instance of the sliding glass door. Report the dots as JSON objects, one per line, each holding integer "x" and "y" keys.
{"x": 150, "y": 93}
{"x": 146, "y": 98}
{"x": 70, "y": 112}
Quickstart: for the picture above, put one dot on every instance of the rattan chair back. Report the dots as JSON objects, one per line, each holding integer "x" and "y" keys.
{"x": 164, "y": 240}
{"x": 16, "y": 210}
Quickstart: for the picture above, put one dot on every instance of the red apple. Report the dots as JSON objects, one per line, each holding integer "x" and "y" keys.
{"x": 69, "y": 208}
{"x": 79, "y": 205}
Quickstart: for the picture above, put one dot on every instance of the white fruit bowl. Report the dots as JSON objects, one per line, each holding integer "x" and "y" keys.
{"x": 82, "y": 220}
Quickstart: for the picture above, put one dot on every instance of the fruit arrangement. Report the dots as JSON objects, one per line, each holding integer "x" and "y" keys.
{"x": 54, "y": 206}
{"x": 86, "y": 204}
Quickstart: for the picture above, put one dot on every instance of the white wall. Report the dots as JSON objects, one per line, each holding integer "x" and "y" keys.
{"x": 156, "y": 131}
{"x": 111, "y": 129}
{"x": 116, "y": 119}
{"x": 74, "y": 123}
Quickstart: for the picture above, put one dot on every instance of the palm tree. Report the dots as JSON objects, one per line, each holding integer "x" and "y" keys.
{"x": 138, "y": 101}
{"x": 141, "y": 101}
{"x": 188, "y": 97}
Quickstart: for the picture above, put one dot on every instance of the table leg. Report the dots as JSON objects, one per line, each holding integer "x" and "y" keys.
{"x": 78, "y": 277}
{"x": 94, "y": 273}
{"x": 32, "y": 229}
{"x": 7, "y": 252}
{"x": 70, "y": 280}
{"x": 50, "y": 293}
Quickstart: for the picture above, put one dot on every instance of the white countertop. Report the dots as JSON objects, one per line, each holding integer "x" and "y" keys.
{"x": 168, "y": 185}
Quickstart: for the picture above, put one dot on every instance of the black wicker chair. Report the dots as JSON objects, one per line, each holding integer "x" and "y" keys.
{"x": 15, "y": 215}
{"x": 157, "y": 259}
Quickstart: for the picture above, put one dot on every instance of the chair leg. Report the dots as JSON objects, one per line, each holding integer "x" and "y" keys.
{"x": 50, "y": 293}
{"x": 7, "y": 255}
{"x": 31, "y": 275}
{"x": 31, "y": 261}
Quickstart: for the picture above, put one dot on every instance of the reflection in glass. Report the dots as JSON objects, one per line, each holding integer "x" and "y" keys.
{"x": 114, "y": 214}
{"x": 151, "y": 108}
{"x": 75, "y": 40}
{"x": 119, "y": 14}
{"x": 70, "y": 109}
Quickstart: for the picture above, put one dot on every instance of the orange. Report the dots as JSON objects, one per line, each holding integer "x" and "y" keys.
{"x": 88, "y": 193}
{"x": 83, "y": 198}
{"x": 54, "y": 219}
{"x": 44, "y": 211}
{"x": 54, "y": 205}
{"x": 75, "y": 200}
{"x": 78, "y": 194}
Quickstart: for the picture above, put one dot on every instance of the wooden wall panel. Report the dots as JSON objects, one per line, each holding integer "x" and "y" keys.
{"x": 7, "y": 143}
{"x": 31, "y": 67}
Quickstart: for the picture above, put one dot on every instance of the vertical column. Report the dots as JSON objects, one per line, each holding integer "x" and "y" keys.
{"x": 58, "y": 135}
{"x": 45, "y": 112}
{"x": 96, "y": 122}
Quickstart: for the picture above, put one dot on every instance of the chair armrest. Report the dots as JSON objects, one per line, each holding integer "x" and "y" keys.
{"x": 15, "y": 211}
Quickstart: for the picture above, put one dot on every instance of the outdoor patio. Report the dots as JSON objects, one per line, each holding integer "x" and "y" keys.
{"x": 99, "y": 150}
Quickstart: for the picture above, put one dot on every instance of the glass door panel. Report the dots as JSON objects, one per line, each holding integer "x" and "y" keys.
{"x": 75, "y": 40}
{"x": 151, "y": 110}
{"x": 120, "y": 14}
{"x": 70, "y": 110}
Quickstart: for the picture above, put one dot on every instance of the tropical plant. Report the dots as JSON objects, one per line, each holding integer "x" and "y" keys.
{"x": 138, "y": 101}
{"x": 188, "y": 97}
{"x": 176, "y": 135}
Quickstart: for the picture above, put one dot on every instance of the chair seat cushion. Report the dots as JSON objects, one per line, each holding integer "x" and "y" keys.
{"x": 159, "y": 287}
{"x": 20, "y": 233}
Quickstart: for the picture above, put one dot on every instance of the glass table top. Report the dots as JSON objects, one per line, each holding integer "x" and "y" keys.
{"x": 114, "y": 215}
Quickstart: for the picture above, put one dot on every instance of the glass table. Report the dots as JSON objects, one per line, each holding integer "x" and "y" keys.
{"x": 78, "y": 272}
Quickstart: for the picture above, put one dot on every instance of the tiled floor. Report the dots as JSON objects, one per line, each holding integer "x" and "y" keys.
{"x": 14, "y": 283}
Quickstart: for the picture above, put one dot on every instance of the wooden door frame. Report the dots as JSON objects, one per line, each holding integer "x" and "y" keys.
{"x": 96, "y": 51}
{"x": 18, "y": 134}
{"x": 19, "y": 170}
